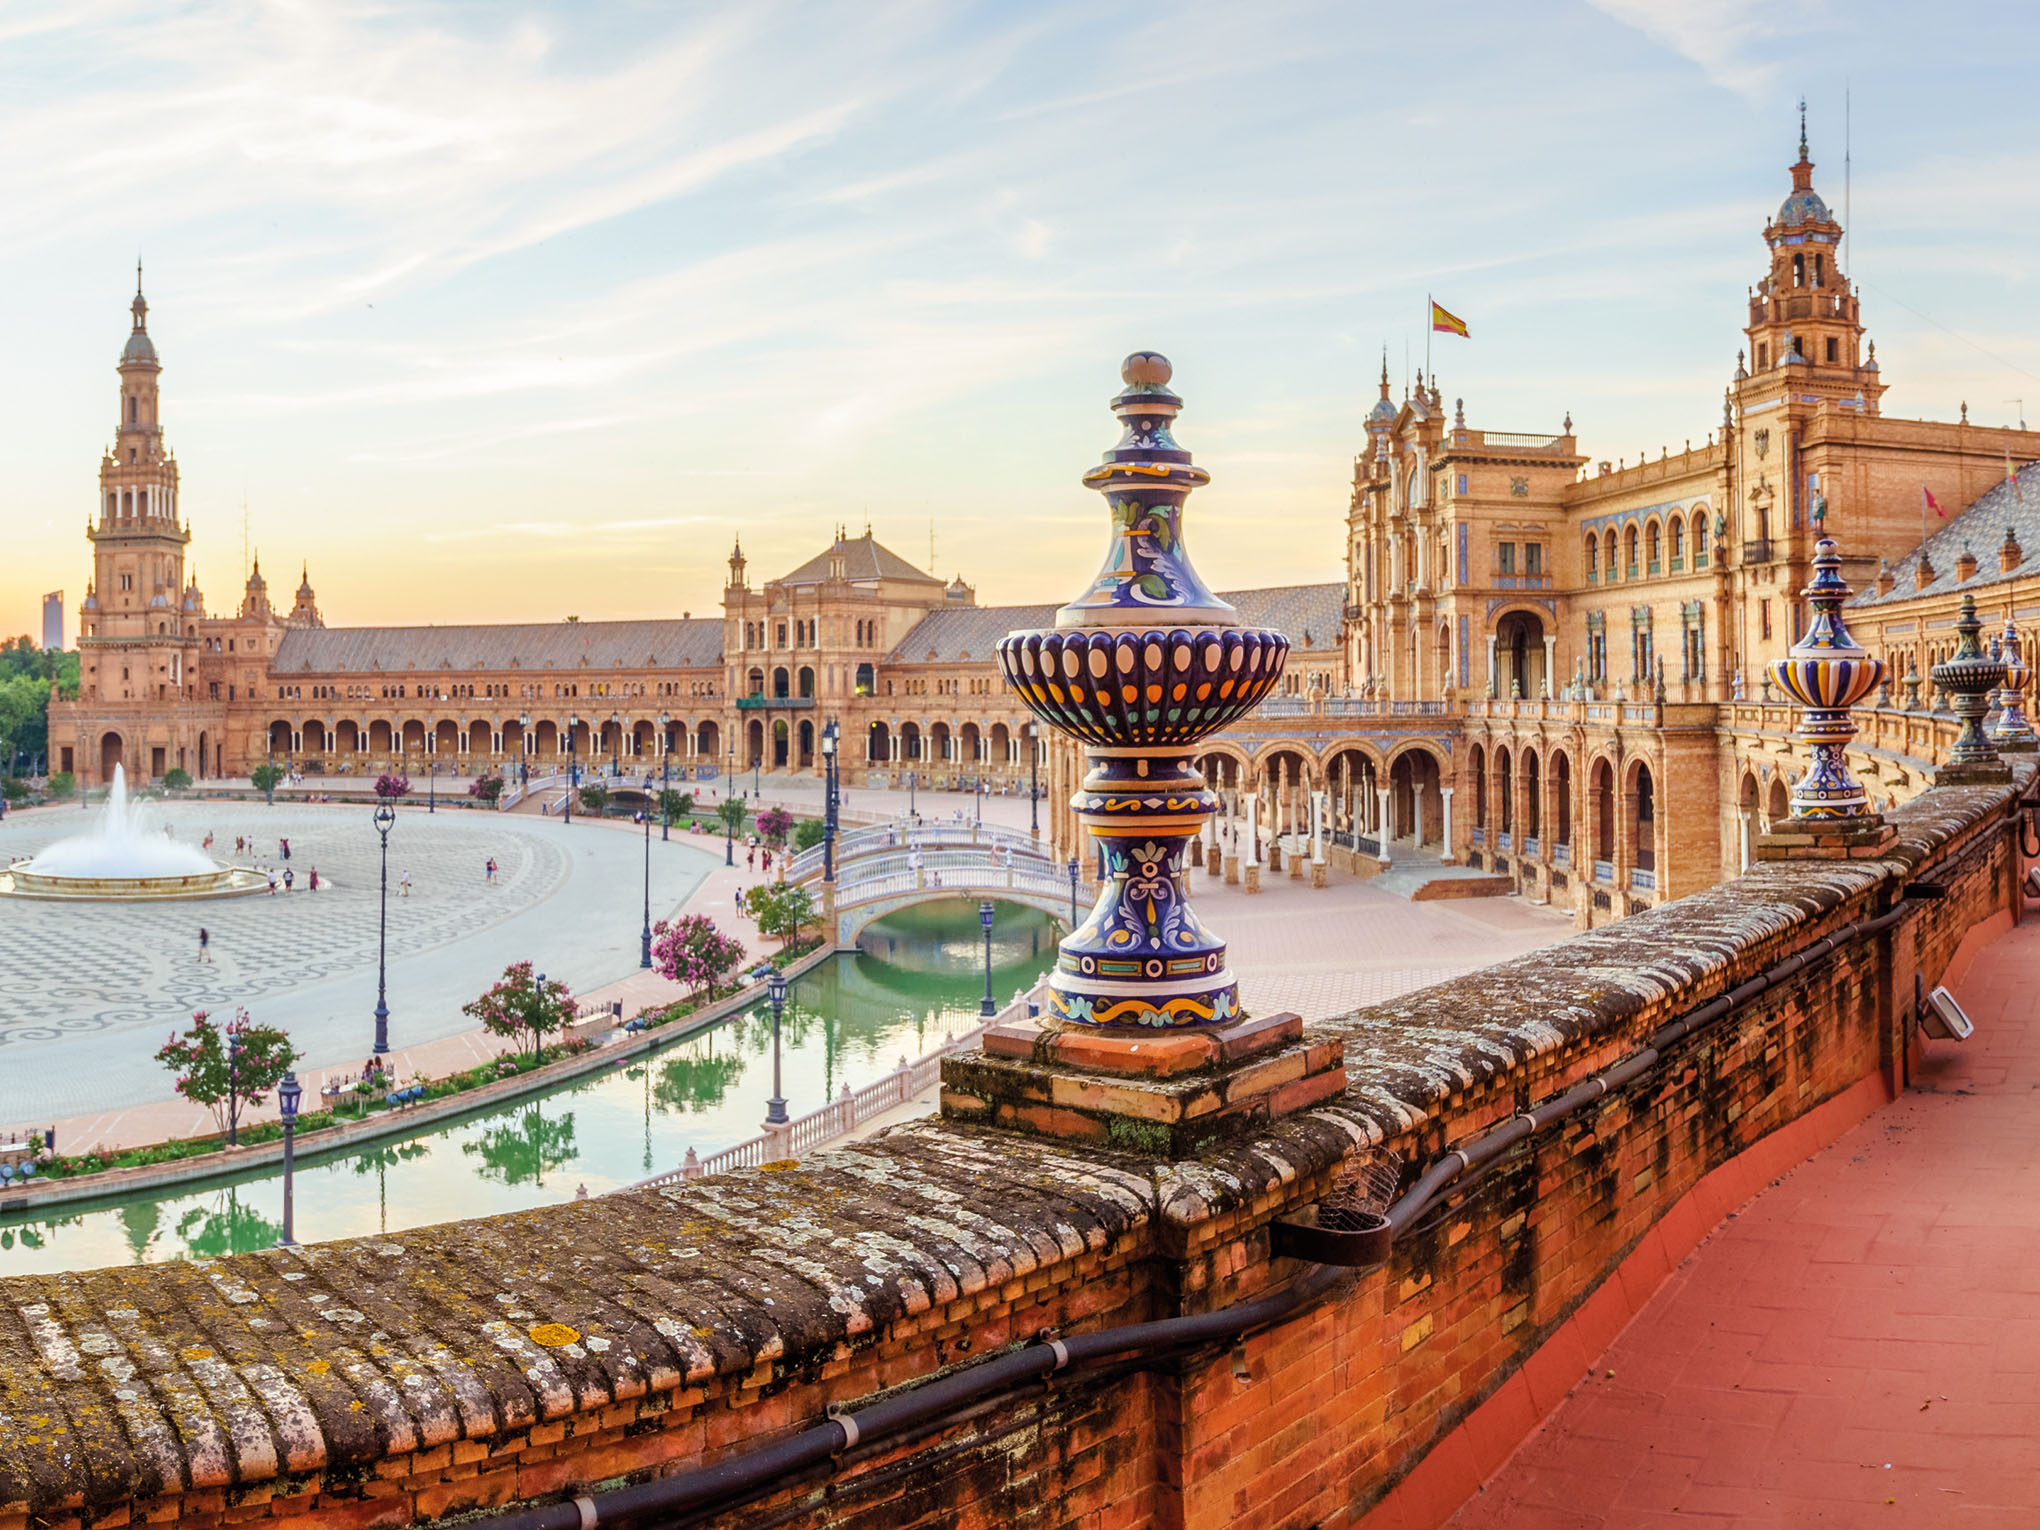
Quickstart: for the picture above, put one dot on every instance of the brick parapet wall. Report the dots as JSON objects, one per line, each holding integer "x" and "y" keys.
{"x": 389, "y": 1380}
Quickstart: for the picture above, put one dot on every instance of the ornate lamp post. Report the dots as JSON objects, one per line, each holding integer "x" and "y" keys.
{"x": 1033, "y": 780}
{"x": 1073, "y": 895}
{"x": 385, "y": 815}
{"x": 524, "y": 750}
{"x": 1827, "y": 672}
{"x": 829, "y": 801}
{"x": 910, "y": 794}
{"x": 986, "y": 1007}
{"x": 1139, "y": 668}
{"x": 645, "y": 954}
{"x": 775, "y": 990}
{"x": 288, "y": 1093}
{"x": 616, "y": 748}
{"x": 432, "y": 787}
{"x": 729, "y": 853}
{"x": 665, "y": 777}
{"x": 573, "y": 760}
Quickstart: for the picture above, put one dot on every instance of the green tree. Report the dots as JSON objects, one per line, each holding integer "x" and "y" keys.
{"x": 176, "y": 779}
{"x": 229, "y": 1228}
{"x": 675, "y": 805}
{"x": 691, "y": 1084}
{"x": 808, "y": 833}
{"x": 595, "y": 797}
{"x": 227, "y": 1067}
{"x": 782, "y": 909}
{"x": 264, "y": 778}
{"x": 523, "y": 1005}
{"x": 14, "y": 789}
{"x": 61, "y": 784}
{"x": 528, "y": 1148}
{"x": 731, "y": 812}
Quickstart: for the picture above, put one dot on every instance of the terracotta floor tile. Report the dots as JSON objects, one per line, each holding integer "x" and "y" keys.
{"x": 1770, "y": 1380}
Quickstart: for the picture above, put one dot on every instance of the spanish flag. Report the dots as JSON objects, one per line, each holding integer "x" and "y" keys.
{"x": 1447, "y": 324}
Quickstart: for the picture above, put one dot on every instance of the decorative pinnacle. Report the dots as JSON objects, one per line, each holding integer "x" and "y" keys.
{"x": 1802, "y": 127}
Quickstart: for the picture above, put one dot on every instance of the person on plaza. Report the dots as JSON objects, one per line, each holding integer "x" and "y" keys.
{"x": 289, "y": 879}
{"x": 272, "y": 882}
{"x": 208, "y": 839}
{"x": 751, "y": 857}
{"x": 404, "y": 882}
{"x": 766, "y": 863}
{"x": 204, "y": 944}
{"x": 315, "y": 879}
{"x": 284, "y": 846}
{"x": 240, "y": 845}
{"x": 489, "y": 871}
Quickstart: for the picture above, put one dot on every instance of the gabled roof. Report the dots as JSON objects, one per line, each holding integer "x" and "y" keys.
{"x": 1980, "y": 528}
{"x": 863, "y": 558}
{"x": 1309, "y": 615}
{"x": 531, "y": 645}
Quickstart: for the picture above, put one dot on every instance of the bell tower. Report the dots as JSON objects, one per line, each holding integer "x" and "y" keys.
{"x": 137, "y": 631}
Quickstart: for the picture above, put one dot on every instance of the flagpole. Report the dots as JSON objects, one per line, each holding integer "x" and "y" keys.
{"x": 1429, "y": 304}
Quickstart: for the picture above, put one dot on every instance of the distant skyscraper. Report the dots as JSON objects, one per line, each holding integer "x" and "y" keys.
{"x": 53, "y": 619}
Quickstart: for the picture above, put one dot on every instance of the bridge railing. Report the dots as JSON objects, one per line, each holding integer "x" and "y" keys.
{"x": 848, "y": 1111}
{"x": 886, "y": 836}
{"x": 975, "y": 879}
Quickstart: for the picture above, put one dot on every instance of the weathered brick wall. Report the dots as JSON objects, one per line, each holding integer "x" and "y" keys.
{"x": 392, "y": 1380}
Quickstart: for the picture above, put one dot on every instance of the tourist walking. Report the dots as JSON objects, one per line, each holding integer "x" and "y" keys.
{"x": 272, "y": 882}
{"x": 204, "y": 944}
{"x": 284, "y": 846}
{"x": 289, "y": 879}
{"x": 315, "y": 879}
{"x": 404, "y": 882}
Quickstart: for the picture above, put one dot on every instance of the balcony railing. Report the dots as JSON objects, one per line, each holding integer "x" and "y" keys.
{"x": 1643, "y": 881}
{"x": 1561, "y": 854}
{"x": 760, "y": 703}
{"x": 1756, "y": 550}
{"x": 1604, "y": 871}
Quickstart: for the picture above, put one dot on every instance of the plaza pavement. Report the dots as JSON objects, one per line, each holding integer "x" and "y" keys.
{"x": 77, "y": 1052}
{"x": 1859, "y": 1345}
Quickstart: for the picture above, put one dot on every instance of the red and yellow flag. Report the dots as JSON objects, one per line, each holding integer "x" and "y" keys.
{"x": 1448, "y": 324}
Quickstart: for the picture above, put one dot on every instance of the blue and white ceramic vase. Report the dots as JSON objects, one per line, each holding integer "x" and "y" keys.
{"x": 2013, "y": 730}
{"x": 1827, "y": 672}
{"x": 1140, "y": 668}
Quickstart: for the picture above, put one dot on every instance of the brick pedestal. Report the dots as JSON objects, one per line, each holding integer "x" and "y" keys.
{"x": 1317, "y": 873}
{"x": 1232, "y": 869}
{"x": 1275, "y": 855}
{"x": 1812, "y": 839}
{"x": 1990, "y": 773}
{"x": 1158, "y": 1091}
{"x": 1194, "y": 856}
{"x": 1253, "y": 879}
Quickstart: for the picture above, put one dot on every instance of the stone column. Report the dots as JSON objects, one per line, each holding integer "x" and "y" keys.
{"x": 1492, "y": 677}
{"x": 1296, "y": 852}
{"x": 1550, "y": 661}
{"x": 1253, "y": 843}
{"x": 1382, "y": 832}
{"x": 1317, "y": 839}
{"x": 1743, "y": 837}
{"x": 1445, "y": 795}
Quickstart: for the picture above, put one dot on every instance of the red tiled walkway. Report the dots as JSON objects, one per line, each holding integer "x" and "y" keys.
{"x": 1860, "y": 1345}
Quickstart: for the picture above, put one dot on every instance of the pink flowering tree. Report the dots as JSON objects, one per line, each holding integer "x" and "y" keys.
{"x": 390, "y": 786}
{"x": 522, "y": 1004}
{"x": 487, "y": 788}
{"x": 774, "y": 824}
{"x": 692, "y": 951}
{"x": 227, "y": 1067}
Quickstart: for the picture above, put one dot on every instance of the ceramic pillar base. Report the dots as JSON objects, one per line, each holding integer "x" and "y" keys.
{"x": 1232, "y": 869}
{"x": 1295, "y": 867}
{"x": 1967, "y": 773}
{"x": 1862, "y": 838}
{"x": 1194, "y": 856}
{"x": 1275, "y": 855}
{"x": 1253, "y": 879}
{"x": 1317, "y": 874}
{"x": 1154, "y": 1092}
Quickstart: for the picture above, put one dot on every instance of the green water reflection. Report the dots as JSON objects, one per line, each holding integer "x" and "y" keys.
{"x": 916, "y": 978}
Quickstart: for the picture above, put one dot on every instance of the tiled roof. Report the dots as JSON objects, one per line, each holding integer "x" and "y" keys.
{"x": 1980, "y": 528}
{"x": 1308, "y": 615}
{"x": 533, "y": 645}
{"x": 863, "y": 558}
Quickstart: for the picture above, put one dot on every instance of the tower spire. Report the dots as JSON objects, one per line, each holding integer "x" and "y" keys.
{"x": 1802, "y": 128}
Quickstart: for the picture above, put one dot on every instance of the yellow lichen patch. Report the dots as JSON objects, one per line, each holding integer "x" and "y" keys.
{"x": 779, "y": 1165}
{"x": 356, "y": 1406}
{"x": 198, "y": 1352}
{"x": 554, "y": 1335}
{"x": 318, "y": 1367}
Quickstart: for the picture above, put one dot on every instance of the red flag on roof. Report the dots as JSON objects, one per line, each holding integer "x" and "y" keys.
{"x": 1933, "y": 504}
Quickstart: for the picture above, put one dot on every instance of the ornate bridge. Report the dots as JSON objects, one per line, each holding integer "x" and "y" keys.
{"x": 884, "y": 869}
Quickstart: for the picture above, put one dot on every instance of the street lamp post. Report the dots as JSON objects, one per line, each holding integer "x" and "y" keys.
{"x": 645, "y": 958}
{"x": 1033, "y": 781}
{"x": 616, "y": 749}
{"x": 986, "y": 1007}
{"x": 775, "y": 989}
{"x": 524, "y": 749}
{"x": 234, "y": 1084}
{"x": 432, "y": 787}
{"x": 757, "y": 761}
{"x": 910, "y": 794}
{"x": 665, "y": 777}
{"x": 829, "y": 802}
{"x": 385, "y": 815}
{"x": 729, "y": 851}
{"x": 1073, "y": 895}
{"x": 573, "y": 760}
{"x": 288, "y": 1092}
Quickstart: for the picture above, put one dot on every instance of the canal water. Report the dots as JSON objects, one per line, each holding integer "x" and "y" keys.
{"x": 916, "y": 978}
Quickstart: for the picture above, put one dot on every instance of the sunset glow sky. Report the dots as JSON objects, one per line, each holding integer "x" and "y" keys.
{"x": 497, "y": 312}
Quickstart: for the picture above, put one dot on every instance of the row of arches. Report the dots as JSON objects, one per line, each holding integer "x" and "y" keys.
{"x": 1646, "y": 551}
{"x": 1523, "y": 799}
{"x": 313, "y": 738}
{"x": 1368, "y": 800}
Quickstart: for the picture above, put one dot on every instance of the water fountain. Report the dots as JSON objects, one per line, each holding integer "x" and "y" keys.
{"x": 123, "y": 857}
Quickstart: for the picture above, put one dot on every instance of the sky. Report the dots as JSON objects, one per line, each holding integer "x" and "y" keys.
{"x": 519, "y": 311}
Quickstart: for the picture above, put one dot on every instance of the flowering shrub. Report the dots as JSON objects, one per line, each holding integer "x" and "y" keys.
{"x": 523, "y": 1005}
{"x": 389, "y": 786}
{"x": 487, "y": 788}
{"x": 775, "y": 824}
{"x": 693, "y": 951}
{"x": 227, "y": 1067}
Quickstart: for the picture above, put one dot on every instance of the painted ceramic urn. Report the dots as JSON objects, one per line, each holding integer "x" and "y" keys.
{"x": 2012, "y": 729}
{"x": 1138, "y": 669}
{"x": 1827, "y": 672}
{"x": 1968, "y": 679}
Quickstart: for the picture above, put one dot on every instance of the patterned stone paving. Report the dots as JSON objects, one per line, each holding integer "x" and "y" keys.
{"x": 87, "y": 990}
